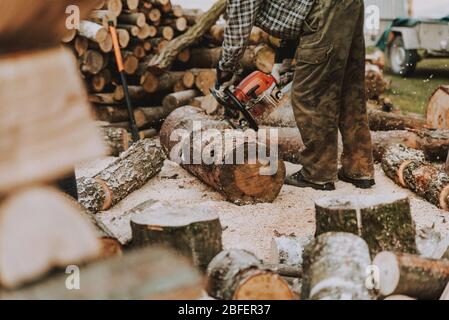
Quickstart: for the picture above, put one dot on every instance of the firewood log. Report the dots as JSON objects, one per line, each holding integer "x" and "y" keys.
{"x": 152, "y": 83}
{"x": 334, "y": 267}
{"x": 141, "y": 162}
{"x": 47, "y": 231}
{"x": 147, "y": 31}
{"x": 384, "y": 121}
{"x": 166, "y": 32}
{"x": 123, "y": 38}
{"x": 116, "y": 139}
{"x": 165, "y": 59}
{"x": 92, "y": 62}
{"x": 103, "y": 99}
{"x": 101, "y": 81}
{"x": 193, "y": 231}
{"x": 131, "y": 4}
{"x": 93, "y": 31}
{"x": 115, "y": 7}
{"x": 179, "y": 99}
{"x": 255, "y": 58}
{"x": 383, "y": 221}
{"x": 81, "y": 45}
{"x": 150, "y": 273}
{"x": 154, "y": 15}
{"x": 134, "y": 18}
{"x": 382, "y": 140}
{"x": 239, "y": 275}
{"x": 407, "y": 167}
{"x": 243, "y": 183}
{"x": 286, "y": 252}
{"x": 437, "y": 109}
{"x": 411, "y": 275}
{"x": 202, "y": 79}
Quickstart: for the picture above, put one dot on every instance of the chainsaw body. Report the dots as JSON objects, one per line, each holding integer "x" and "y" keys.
{"x": 257, "y": 88}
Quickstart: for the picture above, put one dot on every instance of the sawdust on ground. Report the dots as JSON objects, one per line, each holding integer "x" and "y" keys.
{"x": 252, "y": 227}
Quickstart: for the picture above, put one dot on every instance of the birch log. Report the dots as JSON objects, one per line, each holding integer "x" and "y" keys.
{"x": 238, "y": 275}
{"x": 335, "y": 266}
{"x": 129, "y": 172}
{"x": 411, "y": 275}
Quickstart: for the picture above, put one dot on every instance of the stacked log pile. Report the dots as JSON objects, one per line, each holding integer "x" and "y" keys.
{"x": 169, "y": 53}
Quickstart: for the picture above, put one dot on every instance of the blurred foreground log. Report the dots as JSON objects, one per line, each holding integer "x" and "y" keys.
{"x": 151, "y": 273}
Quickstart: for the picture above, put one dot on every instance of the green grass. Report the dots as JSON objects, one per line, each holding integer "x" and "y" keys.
{"x": 412, "y": 94}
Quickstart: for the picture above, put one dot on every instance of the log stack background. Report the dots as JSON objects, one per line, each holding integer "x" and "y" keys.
{"x": 145, "y": 28}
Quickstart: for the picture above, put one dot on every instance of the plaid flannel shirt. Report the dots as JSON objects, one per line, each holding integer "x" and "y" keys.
{"x": 280, "y": 18}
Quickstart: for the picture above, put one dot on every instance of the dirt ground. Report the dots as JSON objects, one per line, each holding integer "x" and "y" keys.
{"x": 252, "y": 227}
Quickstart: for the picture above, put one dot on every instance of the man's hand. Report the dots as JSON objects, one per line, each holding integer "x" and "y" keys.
{"x": 225, "y": 79}
{"x": 281, "y": 68}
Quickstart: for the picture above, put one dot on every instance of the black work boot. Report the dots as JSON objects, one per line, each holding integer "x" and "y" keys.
{"x": 298, "y": 180}
{"x": 359, "y": 183}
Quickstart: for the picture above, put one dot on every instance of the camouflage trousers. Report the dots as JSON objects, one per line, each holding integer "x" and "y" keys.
{"x": 328, "y": 92}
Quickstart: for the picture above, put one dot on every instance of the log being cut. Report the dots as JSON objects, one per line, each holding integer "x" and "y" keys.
{"x": 383, "y": 221}
{"x": 335, "y": 268}
{"x": 150, "y": 273}
{"x": 128, "y": 173}
{"x": 408, "y": 168}
{"x": 411, "y": 275}
{"x": 252, "y": 180}
{"x": 238, "y": 275}
{"x": 437, "y": 111}
{"x": 194, "y": 231}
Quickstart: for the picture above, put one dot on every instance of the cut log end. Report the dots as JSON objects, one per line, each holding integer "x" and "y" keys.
{"x": 263, "y": 285}
{"x": 389, "y": 272}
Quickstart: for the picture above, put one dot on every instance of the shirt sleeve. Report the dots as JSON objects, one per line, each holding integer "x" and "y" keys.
{"x": 241, "y": 18}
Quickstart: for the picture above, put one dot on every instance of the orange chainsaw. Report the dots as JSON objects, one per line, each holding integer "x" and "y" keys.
{"x": 239, "y": 101}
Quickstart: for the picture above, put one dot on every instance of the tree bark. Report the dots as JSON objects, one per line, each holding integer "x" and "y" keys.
{"x": 408, "y": 168}
{"x": 239, "y": 275}
{"x": 179, "y": 99}
{"x": 152, "y": 83}
{"x": 384, "y": 222}
{"x": 411, "y": 275}
{"x": 335, "y": 267}
{"x": 286, "y": 252}
{"x": 129, "y": 172}
{"x": 151, "y": 273}
{"x": 239, "y": 183}
{"x": 194, "y": 232}
{"x": 384, "y": 121}
{"x": 116, "y": 139}
{"x": 165, "y": 59}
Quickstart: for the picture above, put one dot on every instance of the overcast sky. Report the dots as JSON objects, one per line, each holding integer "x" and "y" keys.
{"x": 423, "y": 8}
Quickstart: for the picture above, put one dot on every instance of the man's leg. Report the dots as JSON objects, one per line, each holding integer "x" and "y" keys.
{"x": 357, "y": 157}
{"x": 317, "y": 87}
